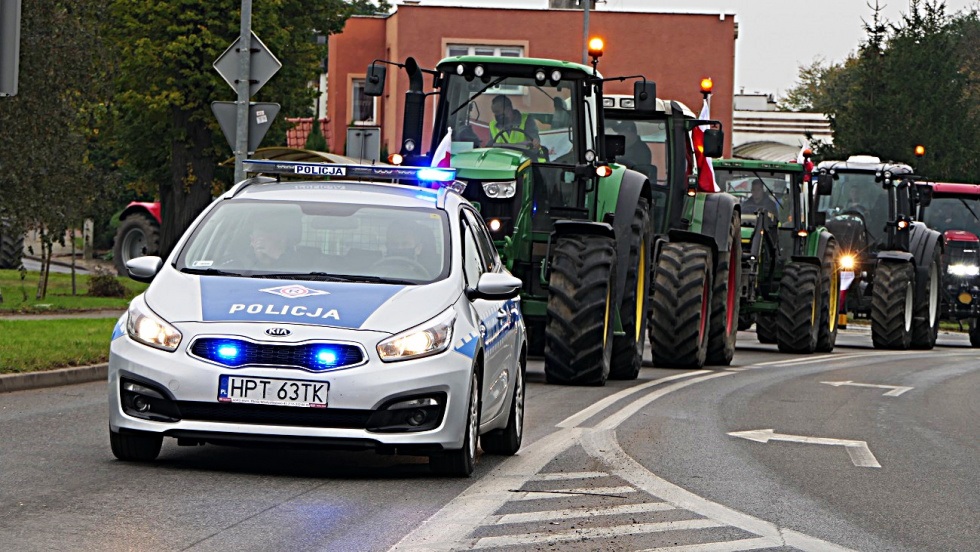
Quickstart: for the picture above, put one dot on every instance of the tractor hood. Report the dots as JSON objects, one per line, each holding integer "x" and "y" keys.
{"x": 488, "y": 163}
{"x": 960, "y": 236}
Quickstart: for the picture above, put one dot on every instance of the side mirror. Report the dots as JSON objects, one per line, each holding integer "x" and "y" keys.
{"x": 144, "y": 269}
{"x": 820, "y": 218}
{"x": 714, "y": 142}
{"x": 825, "y": 184}
{"x": 925, "y": 195}
{"x": 495, "y": 286}
{"x": 614, "y": 146}
{"x": 374, "y": 84}
{"x": 645, "y": 96}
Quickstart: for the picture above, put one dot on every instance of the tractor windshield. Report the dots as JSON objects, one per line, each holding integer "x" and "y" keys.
{"x": 857, "y": 195}
{"x": 954, "y": 213}
{"x": 646, "y": 145}
{"x": 537, "y": 119}
{"x": 766, "y": 192}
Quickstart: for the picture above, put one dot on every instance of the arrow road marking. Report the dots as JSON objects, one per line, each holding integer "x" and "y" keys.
{"x": 858, "y": 450}
{"x": 896, "y": 390}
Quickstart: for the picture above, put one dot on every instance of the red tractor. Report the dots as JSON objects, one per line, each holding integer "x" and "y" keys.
{"x": 138, "y": 233}
{"x": 954, "y": 210}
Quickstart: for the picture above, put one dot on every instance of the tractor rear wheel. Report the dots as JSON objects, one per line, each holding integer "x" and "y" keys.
{"x": 11, "y": 247}
{"x": 679, "y": 323}
{"x": 765, "y": 328}
{"x": 829, "y": 299}
{"x": 627, "y": 352}
{"x": 891, "y": 305}
{"x": 579, "y": 332}
{"x": 925, "y": 320}
{"x": 974, "y": 333}
{"x": 138, "y": 235}
{"x": 723, "y": 327}
{"x": 798, "y": 315}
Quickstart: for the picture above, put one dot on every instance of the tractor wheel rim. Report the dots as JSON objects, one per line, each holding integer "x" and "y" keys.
{"x": 134, "y": 244}
{"x": 605, "y": 319}
{"x": 908, "y": 307}
{"x": 834, "y": 297}
{"x": 641, "y": 289}
{"x": 732, "y": 288}
{"x": 933, "y": 294}
{"x": 705, "y": 289}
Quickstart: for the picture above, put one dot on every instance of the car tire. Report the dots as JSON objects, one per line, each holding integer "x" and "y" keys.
{"x": 135, "y": 446}
{"x": 507, "y": 441}
{"x": 460, "y": 462}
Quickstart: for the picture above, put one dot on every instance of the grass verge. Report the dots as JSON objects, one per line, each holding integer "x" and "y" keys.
{"x": 38, "y": 345}
{"x": 18, "y": 295}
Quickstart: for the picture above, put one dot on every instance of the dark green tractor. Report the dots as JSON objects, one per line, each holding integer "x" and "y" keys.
{"x": 790, "y": 278}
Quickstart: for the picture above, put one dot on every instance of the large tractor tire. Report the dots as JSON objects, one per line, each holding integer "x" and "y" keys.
{"x": 679, "y": 322}
{"x": 829, "y": 299}
{"x": 974, "y": 333}
{"x": 892, "y": 305}
{"x": 627, "y": 352}
{"x": 765, "y": 328}
{"x": 925, "y": 319}
{"x": 11, "y": 247}
{"x": 725, "y": 298}
{"x": 579, "y": 332}
{"x": 138, "y": 235}
{"x": 798, "y": 315}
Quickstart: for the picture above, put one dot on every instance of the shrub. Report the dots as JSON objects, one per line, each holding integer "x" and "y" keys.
{"x": 104, "y": 283}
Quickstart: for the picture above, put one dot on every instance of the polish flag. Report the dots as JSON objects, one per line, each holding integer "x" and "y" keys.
{"x": 441, "y": 157}
{"x": 706, "y": 172}
{"x": 802, "y": 159}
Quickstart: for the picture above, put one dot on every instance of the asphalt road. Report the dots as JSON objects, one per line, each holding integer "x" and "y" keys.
{"x": 646, "y": 464}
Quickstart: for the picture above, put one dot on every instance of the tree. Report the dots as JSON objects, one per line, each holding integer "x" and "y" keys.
{"x": 164, "y": 85}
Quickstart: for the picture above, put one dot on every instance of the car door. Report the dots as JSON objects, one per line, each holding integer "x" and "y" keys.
{"x": 498, "y": 321}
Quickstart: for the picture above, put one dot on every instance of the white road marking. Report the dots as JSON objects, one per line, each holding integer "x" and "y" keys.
{"x": 562, "y": 493}
{"x": 585, "y": 512}
{"x": 896, "y": 390}
{"x": 625, "y": 413}
{"x": 586, "y": 413}
{"x": 858, "y": 450}
{"x": 723, "y": 546}
{"x": 567, "y": 475}
{"x": 603, "y": 445}
{"x": 594, "y": 533}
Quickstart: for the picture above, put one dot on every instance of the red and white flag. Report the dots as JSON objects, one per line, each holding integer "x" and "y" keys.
{"x": 706, "y": 172}
{"x": 441, "y": 157}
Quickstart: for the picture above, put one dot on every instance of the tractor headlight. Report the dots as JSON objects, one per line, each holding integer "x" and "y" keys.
{"x": 149, "y": 329}
{"x": 964, "y": 270}
{"x": 426, "y": 339}
{"x": 500, "y": 190}
{"x": 847, "y": 262}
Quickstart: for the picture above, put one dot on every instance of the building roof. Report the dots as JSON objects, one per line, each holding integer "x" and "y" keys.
{"x": 766, "y": 151}
{"x": 302, "y": 126}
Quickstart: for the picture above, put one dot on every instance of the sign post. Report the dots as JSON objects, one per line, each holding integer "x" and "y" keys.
{"x": 9, "y": 46}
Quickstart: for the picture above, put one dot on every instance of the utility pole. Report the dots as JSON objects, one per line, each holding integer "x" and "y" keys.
{"x": 243, "y": 84}
{"x": 585, "y": 32}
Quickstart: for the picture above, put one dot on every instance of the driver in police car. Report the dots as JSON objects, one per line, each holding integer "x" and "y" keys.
{"x": 271, "y": 245}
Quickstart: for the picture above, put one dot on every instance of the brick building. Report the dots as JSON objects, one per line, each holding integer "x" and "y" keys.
{"x": 674, "y": 49}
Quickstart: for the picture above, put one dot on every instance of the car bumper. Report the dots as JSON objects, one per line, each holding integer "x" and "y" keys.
{"x": 358, "y": 413}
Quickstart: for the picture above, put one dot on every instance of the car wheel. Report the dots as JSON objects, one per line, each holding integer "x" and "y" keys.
{"x": 459, "y": 463}
{"x": 507, "y": 441}
{"x": 135, "y": 446}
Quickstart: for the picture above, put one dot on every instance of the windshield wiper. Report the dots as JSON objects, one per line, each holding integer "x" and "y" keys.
{"x": 375, "y": 279}
{"x": 477, "y": 95}
{"x": 208, "y": 271}
{"x": 967, "y": 205}
{"x": 327, "y": 277}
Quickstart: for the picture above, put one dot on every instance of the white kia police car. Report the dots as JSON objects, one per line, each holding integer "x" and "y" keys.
{"x": 342, "y": 313}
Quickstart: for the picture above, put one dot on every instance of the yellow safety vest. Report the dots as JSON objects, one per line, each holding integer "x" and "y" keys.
{"x": 515, "y": 136}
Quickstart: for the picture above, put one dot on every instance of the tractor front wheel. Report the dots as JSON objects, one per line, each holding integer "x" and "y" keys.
{"x": 138, "y": 235}
{"x": 579, "y": 332}
{"x": 679, "y": 323}
{"x": 798, "y": 315}
{"x": 925, "y": 320}
{"x": 723, "y": 327}
{"x": 891, "y": 305}
{"x": 829, "y": 299}
{"x": 11, "y": 247}
{"x": 627, "y": 353}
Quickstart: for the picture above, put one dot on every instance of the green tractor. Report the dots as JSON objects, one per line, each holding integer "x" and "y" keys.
{"x": 790, "y": 276}
{"x": 527, "y": 138}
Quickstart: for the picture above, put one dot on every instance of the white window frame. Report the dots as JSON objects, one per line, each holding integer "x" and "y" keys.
{"x": 373, "y": 121}
{"x": 498, "y": 50}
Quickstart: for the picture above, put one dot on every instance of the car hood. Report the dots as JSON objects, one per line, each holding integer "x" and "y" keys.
{"x": 178, "y": 297}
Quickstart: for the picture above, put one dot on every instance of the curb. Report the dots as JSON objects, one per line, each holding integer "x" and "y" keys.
{"x": 53, "y": 378}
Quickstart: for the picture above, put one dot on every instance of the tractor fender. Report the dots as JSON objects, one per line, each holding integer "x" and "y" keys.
{"x": 816, "y": 261}
{"x": 150, "y": 208}
{"x": 680, "y": 236}
{"x": 633, "y": 186}
{"x": 898, "y": 256}
{"x": 822, "y": 242}
{"x": 563, "y": 227}
{"x": 925, "y": 241}
{"x": 716, "y": 218}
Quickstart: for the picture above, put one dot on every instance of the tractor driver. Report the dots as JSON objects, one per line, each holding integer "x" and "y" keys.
{"x": 759, "y": 200}
{"x": 510, "y": 126}
{"x": 637, "y": 153}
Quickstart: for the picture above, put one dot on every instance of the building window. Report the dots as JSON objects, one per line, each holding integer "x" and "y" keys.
{"x": 453, "y": 50}
{"x": 363, "y": 107}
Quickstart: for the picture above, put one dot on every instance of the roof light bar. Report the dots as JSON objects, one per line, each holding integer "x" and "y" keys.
{"x": 375, "y": 172}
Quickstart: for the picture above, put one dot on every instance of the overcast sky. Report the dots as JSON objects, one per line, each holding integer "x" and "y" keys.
{"x": 775, "y": 36}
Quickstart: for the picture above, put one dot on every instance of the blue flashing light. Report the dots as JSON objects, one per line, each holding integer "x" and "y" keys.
{"x": 327, "y": 357}
{"x": 436, "y": 175}
{"x": 228, "y": 352}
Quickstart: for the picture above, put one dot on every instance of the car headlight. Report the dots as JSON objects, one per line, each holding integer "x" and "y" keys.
{"x": 500, "y": 190}
{"x": 964, "y": 270}
{"x": 149, "y": 329}
{"x": 429, "y": 338}
{"x": 847, "y": 262}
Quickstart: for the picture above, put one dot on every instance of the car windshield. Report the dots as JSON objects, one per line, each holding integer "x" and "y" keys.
{"x": 767, "y": 191}
{"x": 513, "y": 113}
{"x": 953, "y": 213}
{"x": 319, "y": 241}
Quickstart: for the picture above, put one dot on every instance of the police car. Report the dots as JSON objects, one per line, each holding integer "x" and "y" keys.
{"x": 344, "y": 313}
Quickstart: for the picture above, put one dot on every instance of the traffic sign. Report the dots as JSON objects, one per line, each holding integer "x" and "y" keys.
{"x": 262, "y": 65}
{"x": 260, "y": 117}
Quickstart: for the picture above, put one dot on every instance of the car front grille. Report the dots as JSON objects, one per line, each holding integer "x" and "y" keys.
{"x": 274, "y": 415}
{"x": 315, "y": 357}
